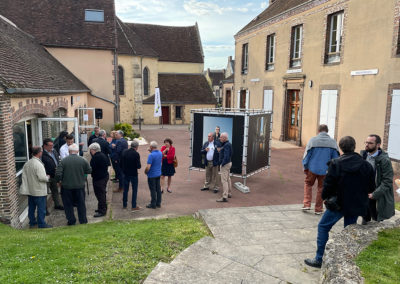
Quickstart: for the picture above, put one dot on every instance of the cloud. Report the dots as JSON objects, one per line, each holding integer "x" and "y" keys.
{"x": 264, "y": 5}
{"x": 147, "y": 6}
{"x": 201, "y": 8}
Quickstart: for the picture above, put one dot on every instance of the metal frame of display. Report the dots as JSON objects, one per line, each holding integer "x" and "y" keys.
{"x": 233, "y": 112}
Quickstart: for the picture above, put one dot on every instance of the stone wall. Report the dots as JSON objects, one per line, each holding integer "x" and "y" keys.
{"x": 338, "y": 265}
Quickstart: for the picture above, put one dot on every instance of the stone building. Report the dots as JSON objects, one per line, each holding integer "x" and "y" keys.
{"x": 38, "y": 97}
{"x": 323, "y": 61}
{"x": 227, "y": 85}
{"x": 79, "y": 34}
{"x": 214, "y": 78}
{"x": 170, "y": 58}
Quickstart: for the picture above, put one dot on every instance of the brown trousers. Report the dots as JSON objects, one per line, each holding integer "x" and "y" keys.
{"x": 308, "y": 185}
{"x": 226, "y": 180}
{"x": 213, "y": 180}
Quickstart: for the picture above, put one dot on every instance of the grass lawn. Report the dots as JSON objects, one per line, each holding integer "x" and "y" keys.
{"x": 110, "y": 251}
{"x": 380, "y": 262}
{"x": 398, "y": 205}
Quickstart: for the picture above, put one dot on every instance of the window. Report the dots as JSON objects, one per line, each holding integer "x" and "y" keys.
{"x": 270, "y": 52}
{"x": 295, "y": 50}
{"x": 178, "y": 112}
{"x": 94, "y": 15}
{"x": 146, "y": 81}
{"x": 121, "y": 82}
{"x": 245, "y": 58}
{"x": 398, "y": 41}
{"x": 20, "y": 145}
{"x": 334, "y": 37}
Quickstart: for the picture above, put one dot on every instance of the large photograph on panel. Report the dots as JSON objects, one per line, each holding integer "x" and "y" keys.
{"x": 204, "y": 123}
{"x": 258, "y": 142}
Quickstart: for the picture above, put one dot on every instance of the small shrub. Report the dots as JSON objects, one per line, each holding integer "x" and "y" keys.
{"x": 127, "y": 129}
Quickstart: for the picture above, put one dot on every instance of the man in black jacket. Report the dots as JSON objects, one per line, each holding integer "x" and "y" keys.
{"x": 50, "y": 159}
{"x": 130, "y": 163}
{"x": 94, "y": 135}
{"x": 102, "y": 141}
{"x": 100, "y": 176}
{"x": 349, "y": 179}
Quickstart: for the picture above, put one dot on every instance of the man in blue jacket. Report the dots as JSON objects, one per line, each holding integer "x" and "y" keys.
{"x": 211, "y": 162}
{"x": 225, "y": 156}
{"x": 319, "y": 151}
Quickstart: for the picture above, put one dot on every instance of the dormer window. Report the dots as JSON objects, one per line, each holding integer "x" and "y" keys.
{"x": 94, "y": 16}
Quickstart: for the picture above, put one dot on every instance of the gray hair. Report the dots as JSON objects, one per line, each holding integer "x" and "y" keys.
{"x": 73, "y": 148}
{"x": 95, "y": 146}
{"x": 153, "y": 144}
{"x": 102, "y": 132}
{"x": 134, "y": 144}
{"x": 225, "y": 134}
{"x": 120, "y": 132}
{"x": 36, "y": 150}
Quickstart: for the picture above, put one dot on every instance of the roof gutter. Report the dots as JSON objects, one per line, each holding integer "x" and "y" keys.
{"x": 106, "y": 100}
{"x": 42, "y": 91}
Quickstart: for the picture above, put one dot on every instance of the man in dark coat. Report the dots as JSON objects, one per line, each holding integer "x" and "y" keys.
{"x": 381, "y": 198}
{"x": 94, "y": 135}
{"x": 102, "y": 141}
{"x": 225, "y": 161}
{"x": 130, "y": 163}
{"x": 50, "y": 159}
{"x": 349, "y": 179}
{"x": 120, "y": 145}
{"x": 211, "y": 163}
{"x": 99, "y": 163}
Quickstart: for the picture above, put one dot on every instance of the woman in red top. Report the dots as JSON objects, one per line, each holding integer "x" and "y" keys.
{"x": 167, "y": 168}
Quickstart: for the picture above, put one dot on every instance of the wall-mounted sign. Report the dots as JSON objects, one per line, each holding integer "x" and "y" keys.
{"x": 291, "y": 71}
{"x": 255, "y": 80}
{"x": 364, "y": 72}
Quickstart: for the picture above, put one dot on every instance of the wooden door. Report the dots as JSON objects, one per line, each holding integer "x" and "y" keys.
{"x": 165, "y": 114}
{"x": 293, "y": 118}
{"x": 228, "y": 99}
{"x": 243, "y": 96}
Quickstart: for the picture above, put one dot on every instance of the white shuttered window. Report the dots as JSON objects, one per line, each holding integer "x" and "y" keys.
{"x": 394, "y": 127}
{"x": 328, "y": 110}
{"x": 268, "y": 100}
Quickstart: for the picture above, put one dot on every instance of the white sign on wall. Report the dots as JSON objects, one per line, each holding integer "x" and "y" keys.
{"x": 364, "y": 72}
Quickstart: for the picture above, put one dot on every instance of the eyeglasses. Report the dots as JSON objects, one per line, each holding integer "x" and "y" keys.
{"x": 369, "y": 143}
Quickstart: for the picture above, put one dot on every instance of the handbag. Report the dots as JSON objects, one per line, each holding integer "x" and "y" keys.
{"x": 332, "y": 204}
{"x": 175, "y": 162}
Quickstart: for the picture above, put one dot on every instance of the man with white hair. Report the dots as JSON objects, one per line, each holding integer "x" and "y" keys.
{"x": 225, "y": 156}
{"x": 99, "y": 163}
{"x": 102, "y": 141}
{"x": 153, "y": 172}
{"x": 71, "y": 173}
{"x": 130, "y": 163}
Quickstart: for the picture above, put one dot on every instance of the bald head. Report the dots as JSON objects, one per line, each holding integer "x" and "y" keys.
{"x": 210, "y": 137}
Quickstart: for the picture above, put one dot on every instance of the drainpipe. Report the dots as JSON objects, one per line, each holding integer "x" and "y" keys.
{"x": 116, "y": 89}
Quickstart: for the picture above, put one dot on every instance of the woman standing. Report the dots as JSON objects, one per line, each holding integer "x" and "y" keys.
{"x": 217, "y": 133}
{"x": 167, "y": 168}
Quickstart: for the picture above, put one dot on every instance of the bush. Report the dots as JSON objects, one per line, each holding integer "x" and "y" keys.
{"x": 127, "y": 129}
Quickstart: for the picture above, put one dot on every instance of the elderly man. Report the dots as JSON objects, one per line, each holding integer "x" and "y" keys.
{"x": 153, "y": 172}
{"x": 102, "y": 141}
{"x": 71, "y": 173}
{"x": 34, "y": 184}
{"x": 119, "y": 146}
{"x": 211, "y": 161}
{"x": 130, "y": 163}
{"x": 64, "y": 152}
{"x": 94, "y": 135}
{"x": 225, "y": 156}
{"x": 50, "y": 160}
{"x": 99, "y": 163}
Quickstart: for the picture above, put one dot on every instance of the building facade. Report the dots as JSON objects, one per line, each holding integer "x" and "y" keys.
{"x": 335, "y": 62}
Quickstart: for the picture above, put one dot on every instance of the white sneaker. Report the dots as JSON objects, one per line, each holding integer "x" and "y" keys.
{"x": 318, "y": 212}
{"x": 306, "y": 208}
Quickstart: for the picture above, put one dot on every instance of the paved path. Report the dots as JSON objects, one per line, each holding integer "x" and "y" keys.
{"x": 264, "y": 244}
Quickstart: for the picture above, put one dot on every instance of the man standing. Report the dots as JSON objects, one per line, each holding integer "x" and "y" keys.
{"x": 349, "y": 179}
{"x": 102, "y": 141}
{"x": 64, "y": 152}
{"x": 225, "y": 156}
{"x": 319, "y": 151}
{"x": 50, "y": 160}
{"x": 71, "y": 172}
{"x": 381, "y": 198}
{"x": 153, "y": 172}
{"x": 130, "y": 163}
{"x": 94, "y": 135}
{"x": 211, "y": 161}
{"x": 34, "y": 184}
{"x": 119, "y": 146}
{"x": 99, "y": 164}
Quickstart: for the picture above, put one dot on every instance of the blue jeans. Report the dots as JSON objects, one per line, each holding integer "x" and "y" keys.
{"x": 328, "y": 220}
{"x": 40, "y": 203}
{"x": 155, "y": 191}
{"x": 134, "y": 181}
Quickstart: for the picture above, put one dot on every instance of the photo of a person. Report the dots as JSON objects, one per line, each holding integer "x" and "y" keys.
{"x": 216, "y": 125}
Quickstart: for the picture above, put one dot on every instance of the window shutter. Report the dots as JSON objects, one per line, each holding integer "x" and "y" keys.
{"x": 238, "y": 99}
{"x": 247, "y": 98}
{"x": 328, "y": 110}
{"x": 398, "y": 41}
{"x": 268, "y": 100}
{"x": 394, "y": 127}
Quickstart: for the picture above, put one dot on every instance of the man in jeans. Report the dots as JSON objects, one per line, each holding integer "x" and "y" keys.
{"x": 130, "y": 163}
{"x": 319, "y": 151}
{"x": 225, "y": 155}
{"x": 34, "y": 184}
{"x": 349, "y": 178}
{"x": 153, "y": 172}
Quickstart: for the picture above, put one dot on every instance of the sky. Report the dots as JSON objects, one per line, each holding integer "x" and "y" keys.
{"x": 218, "y": 21}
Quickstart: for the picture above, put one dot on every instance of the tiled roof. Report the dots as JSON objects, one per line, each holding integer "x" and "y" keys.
{"x": 274, "y": 9}
{"x": 130, "y": 43}
{"x": 62, "y": 22}
{"x": 216, "y": 77}
{"x": 25, "y": 64}
{"x": 177, "y": 44}
{"x": 183, "y": 89}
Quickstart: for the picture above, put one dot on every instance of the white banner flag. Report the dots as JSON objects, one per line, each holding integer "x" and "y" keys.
{"x": 157, "y": 103}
